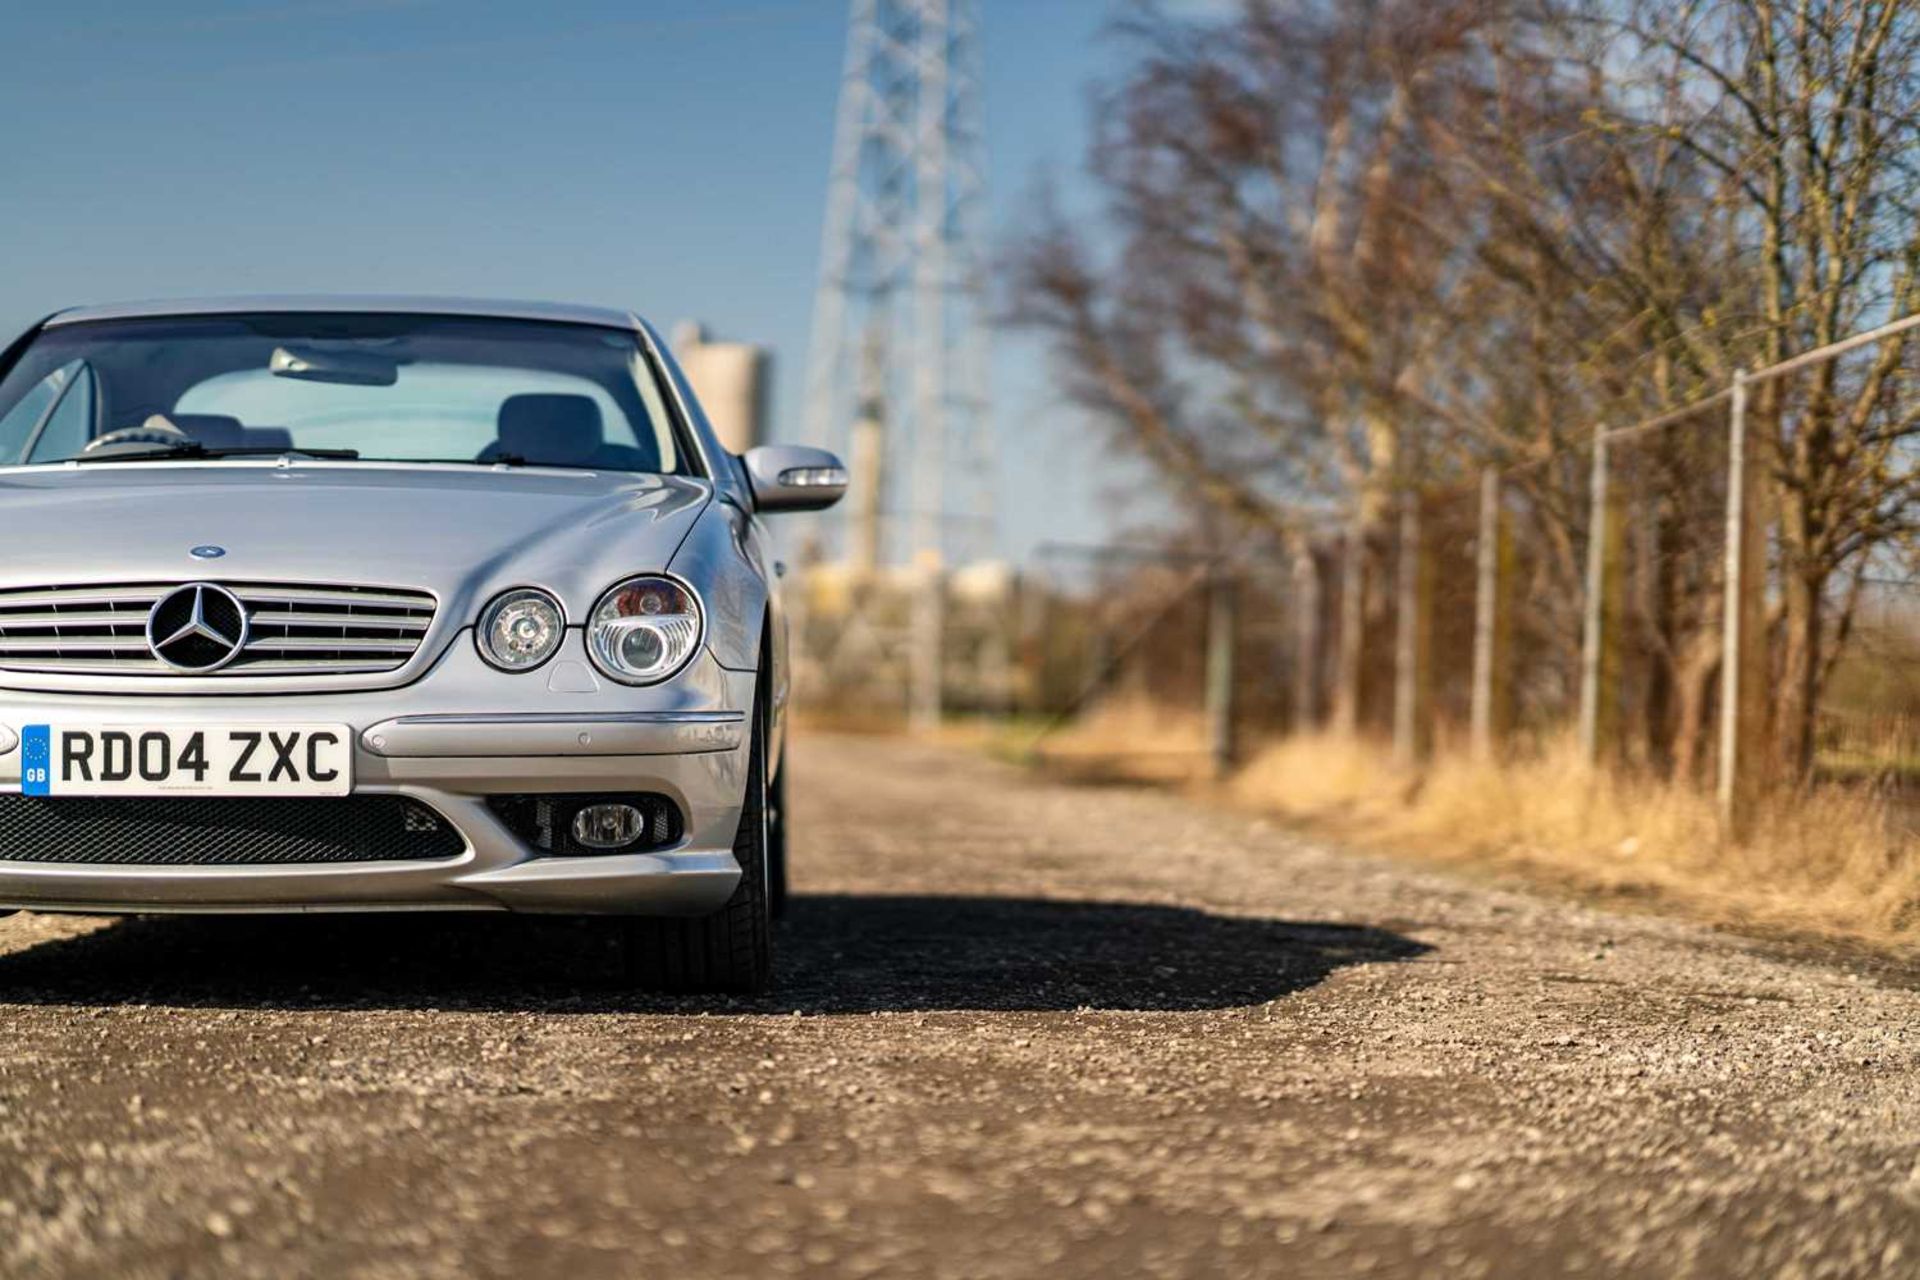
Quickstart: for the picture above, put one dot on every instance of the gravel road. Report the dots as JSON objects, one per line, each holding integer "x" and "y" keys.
{"x": 1022, "y": 1029}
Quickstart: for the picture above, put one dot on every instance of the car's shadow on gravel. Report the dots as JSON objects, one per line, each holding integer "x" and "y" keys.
{"x": 836, "y": 954}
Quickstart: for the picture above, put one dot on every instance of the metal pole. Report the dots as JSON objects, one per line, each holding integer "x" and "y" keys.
{"x": 930, "y": 373}
{"x": 1221, "y": 627}
{"x": 1410, "y": 674}
{"x": 1593, "y": 629}
{"x": 867, "y": 460}
{"x": 1832, "y": 350}
{"x": 1353, "y": 616}
{"x": 1486, "y": 603}
{"x": 828, "y": 348}
{"x": 1036, "y": 596}
{"x": 1743, "y": 635}
{"x": 1307, "y": 616}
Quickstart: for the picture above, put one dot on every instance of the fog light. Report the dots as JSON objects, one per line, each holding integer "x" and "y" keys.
{"x": 609, "y": 826}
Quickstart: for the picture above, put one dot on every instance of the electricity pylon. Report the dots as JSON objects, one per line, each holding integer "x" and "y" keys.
{"x": 897, "y": 375}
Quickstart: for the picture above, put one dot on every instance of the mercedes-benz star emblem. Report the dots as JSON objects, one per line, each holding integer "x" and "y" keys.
{"x": 207, "y": 552}
{"x": 199, "y": 628}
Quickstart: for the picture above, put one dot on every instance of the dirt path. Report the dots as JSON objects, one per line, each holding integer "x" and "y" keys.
{"x": 1023, "y": 1029}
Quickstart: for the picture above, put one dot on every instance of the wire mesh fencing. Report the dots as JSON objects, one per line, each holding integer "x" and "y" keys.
{"x": 1724, "y": 595}
{"x": 1719, "y": 595}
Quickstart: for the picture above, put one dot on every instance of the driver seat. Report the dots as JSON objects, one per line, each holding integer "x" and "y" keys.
{"x": 554, "y": 430}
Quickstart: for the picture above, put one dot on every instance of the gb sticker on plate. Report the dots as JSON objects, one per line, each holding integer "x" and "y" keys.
{"x": 36, "y": 759}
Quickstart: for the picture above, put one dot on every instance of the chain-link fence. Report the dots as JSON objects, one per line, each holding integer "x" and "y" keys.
{"x": 1678, "y": 594}
{"x": 1722, "y": 595}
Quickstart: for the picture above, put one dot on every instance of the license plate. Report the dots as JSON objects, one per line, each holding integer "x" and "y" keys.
{"x": 153, "y": 760}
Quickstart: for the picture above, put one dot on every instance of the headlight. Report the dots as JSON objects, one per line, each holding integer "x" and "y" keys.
{"x": 521, "y": 629}
{"x": 644, "y": 630}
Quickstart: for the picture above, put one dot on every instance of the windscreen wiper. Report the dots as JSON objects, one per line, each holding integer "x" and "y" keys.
{"x": 194, "y": 449}
{"x": 490, "y": 460}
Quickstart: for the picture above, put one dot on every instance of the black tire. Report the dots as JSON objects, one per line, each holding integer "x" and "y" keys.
{"x": 731, "y": 951}
{"x": 777, "y": 844}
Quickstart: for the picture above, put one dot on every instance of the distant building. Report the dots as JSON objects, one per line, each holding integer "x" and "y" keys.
{"x": 733, "y": 380}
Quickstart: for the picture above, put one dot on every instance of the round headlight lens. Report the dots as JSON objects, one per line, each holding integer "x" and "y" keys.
{"x": 521, "y": 629}
{"x": 644, "y": 630}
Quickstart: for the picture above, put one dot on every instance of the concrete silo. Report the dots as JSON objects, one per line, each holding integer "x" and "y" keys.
{"x": 734, "y": 381}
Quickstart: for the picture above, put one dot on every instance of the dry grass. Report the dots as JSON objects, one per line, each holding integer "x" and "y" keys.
{"x": 1833, "y": 861}
{"x": 1132, "y": 740}
{"x": 1830, "y": 861}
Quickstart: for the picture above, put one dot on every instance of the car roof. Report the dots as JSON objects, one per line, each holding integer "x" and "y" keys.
{"x": 606, "y": 317}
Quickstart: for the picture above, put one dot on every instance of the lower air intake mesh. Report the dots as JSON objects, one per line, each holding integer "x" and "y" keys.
{"x": 222, "y": 831}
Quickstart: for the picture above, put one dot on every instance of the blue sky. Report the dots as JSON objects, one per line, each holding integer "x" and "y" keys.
{"x": 664, "y": 154}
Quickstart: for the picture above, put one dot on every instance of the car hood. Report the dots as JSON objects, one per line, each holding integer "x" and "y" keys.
{"x": 462, "y": 533}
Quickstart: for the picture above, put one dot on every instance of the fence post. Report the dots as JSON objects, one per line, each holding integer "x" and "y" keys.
{"x": 1493, "y": 571}
{"x": 1221, "y": 611}
{"x": 1306, "y": 635}
{"x": 926, "y": 666}
{"x": 1743, "y": 633}
{"x": 1600, "y": 639}
{"x": 1353, "y": 617}
{"x": 1412, "y": 650}
{"x": 1033, "y": 635}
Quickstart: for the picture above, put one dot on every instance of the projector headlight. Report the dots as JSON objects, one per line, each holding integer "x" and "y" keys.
{"x": 520, "y": 629}
{"x": 644, "y": 630}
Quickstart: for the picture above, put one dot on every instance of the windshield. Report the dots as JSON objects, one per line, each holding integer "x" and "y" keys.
{"x": 382, "y": 387}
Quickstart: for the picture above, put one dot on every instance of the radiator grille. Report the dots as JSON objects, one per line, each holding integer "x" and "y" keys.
{"x": 222, "y": 830}
{"x": 293, "y": 629}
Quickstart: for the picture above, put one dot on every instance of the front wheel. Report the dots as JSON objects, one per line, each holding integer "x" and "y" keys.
{"x": 730, "y": 951}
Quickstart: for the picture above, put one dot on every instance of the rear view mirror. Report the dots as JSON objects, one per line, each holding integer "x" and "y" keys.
{"x": 346, "y": 368}
{"x": 794, "y": 477}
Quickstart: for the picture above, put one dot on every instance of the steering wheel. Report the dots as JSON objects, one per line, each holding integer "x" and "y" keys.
{"x": 156, "y": 430}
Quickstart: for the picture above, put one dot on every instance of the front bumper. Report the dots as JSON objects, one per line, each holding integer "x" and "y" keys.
{"x": 461, "y": 733}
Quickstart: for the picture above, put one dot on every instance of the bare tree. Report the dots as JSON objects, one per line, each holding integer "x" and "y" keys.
{"x": 1278, "y": 302}
{"x": 1269, "y": 317}
{"x": 1810, "y": 111}
{"x": 1357, "y": 249}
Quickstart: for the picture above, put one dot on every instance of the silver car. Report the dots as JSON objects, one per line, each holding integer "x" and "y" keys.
{"x": 356, "y": 604}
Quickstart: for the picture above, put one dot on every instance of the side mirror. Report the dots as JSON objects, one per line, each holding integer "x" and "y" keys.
{"x": 794, "y": 477}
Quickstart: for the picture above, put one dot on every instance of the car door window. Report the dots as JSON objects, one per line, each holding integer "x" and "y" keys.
{"x": 71, "y": 424}
{"x": 53, "y": 420}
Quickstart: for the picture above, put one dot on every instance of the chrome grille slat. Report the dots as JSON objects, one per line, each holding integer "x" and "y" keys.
{"x": 358, "y": 621}
{"x": 152, "y": 666}
{"x": 301, "y": 644}
{"x": 305, "y": 667}
{"x": 35, "y": 597}
{"x": 108, "y": 666}
{"x": 10, "y": 623}
{"x": 295, "y": 630}
{"x": 299, "y": 596}
{"x": 76, "y": 644}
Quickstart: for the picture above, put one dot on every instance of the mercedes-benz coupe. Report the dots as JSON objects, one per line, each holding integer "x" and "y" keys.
{"x": 364, "y": 604}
